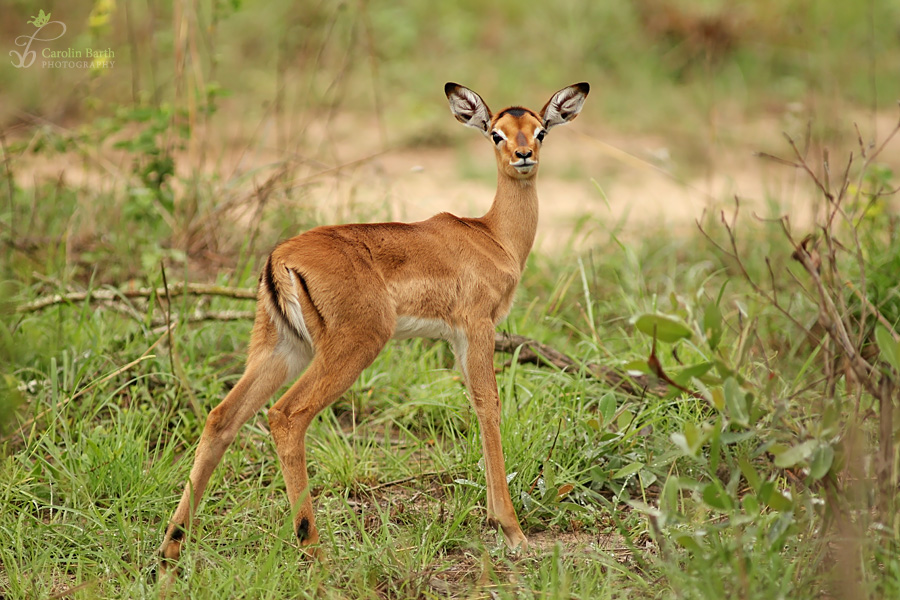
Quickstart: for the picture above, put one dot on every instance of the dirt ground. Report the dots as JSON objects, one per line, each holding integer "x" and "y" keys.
{"x": 640, "y": 182}
{"x": 637, "y": 183}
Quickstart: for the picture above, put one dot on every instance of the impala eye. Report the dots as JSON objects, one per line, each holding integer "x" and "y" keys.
{"x": 539, "y": 136}
{"x": 497, "y": 137}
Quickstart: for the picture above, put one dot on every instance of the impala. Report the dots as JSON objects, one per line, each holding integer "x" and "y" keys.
{"x": 331, "y": 298}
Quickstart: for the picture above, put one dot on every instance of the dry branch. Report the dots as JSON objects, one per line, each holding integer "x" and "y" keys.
{"x": 532, "y": 351}
{"x": 845, "y": 332}
{"x": 178, "y": 289}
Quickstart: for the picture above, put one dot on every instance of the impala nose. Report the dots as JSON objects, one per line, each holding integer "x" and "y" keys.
{"x": 523, "y": 154}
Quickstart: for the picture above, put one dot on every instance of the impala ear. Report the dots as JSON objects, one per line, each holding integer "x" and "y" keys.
{"x": 468, "y": 107}
{"x": 564, "y": 105}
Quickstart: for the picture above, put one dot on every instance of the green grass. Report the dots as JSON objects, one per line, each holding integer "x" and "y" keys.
{"x": 95, "y": 464}
{"x": 90, "y": 485}
{"x": 762, "y": 483}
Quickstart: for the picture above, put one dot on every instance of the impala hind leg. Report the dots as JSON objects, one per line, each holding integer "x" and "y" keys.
{"x": 268, "y": 367}
{"x": 476, "y": 355}
{"x": 331, "y": 373}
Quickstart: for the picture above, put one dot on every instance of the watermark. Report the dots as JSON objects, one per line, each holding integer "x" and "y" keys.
{"x": 70, "y": 58}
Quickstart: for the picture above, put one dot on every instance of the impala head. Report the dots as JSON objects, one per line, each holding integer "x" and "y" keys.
{"x": 516, "y": 132}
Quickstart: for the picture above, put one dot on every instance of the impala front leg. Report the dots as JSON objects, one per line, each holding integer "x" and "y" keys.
{"x": 478, "y": 369}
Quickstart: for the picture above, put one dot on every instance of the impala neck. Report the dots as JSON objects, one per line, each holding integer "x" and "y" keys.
{"x": 513, "y": 216}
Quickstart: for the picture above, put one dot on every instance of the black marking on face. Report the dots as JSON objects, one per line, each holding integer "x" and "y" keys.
{"x": 515, "y": 111}
{"x": 303, "y": 529}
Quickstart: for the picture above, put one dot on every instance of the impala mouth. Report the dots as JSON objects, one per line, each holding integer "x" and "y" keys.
{"x": 524, "y": 165}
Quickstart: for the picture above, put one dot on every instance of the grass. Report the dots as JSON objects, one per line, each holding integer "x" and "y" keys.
{"x": 761, "y": 479}
{"x": 92, "y": 483}
{"x": 395, "y": 465}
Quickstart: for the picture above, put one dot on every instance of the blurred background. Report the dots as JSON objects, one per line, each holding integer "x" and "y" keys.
{"x": 272, "y": 116}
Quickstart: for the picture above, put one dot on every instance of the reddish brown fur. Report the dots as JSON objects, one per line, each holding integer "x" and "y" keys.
{"x": 331, "y": 298}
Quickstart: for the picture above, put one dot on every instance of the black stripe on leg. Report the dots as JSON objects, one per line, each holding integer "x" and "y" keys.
{"x": 303, "y": 529}
{"x": 176, "y": 533}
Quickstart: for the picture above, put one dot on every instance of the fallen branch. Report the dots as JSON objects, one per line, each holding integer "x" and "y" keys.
{"x": 111, "y": 295}
{"x": 403, "y": 480}
{"x": 198, "y": 316}
{"x": 532, "y": 351}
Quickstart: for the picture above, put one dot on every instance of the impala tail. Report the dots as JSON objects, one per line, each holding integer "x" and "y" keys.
{"x": 283, "y": 291}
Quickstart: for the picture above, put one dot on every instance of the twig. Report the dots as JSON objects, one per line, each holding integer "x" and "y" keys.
{"x": 534, "y": 352}
{"x": 831, "y": 320}
{"x": 549, "y": 456}
{"x": 71, "y": 591}
{"x": 656, "y": 367}
{"x": 168, "y": 309}
{"x": 874, "y": 309}
{"x": 177, "y": 289}
{"x": 9, "y": 180}
{"x": 403, "y": 480}
{"x": 734, "y": 254}
{"x": 199, "y": 316}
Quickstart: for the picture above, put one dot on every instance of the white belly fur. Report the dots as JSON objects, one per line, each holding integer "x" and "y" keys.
{"x": 410, "y": 327}
{"x": 413, "y": 327}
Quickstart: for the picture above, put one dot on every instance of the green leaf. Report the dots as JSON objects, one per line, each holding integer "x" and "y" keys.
{"x": 694, "y": 435}
{"x": 624, "y": 419}
{"x": 639, "y": 366}
{"x": 681, "y": 443}
{"x": 736, "y": 437}
{"x": 685, "y": 375}
{"x": 890, "y": 349}
{"x": 715, "y": 445}
{"x": 688, "y": 542}
{"x": 715, "y": 496}
{"x": 607, "y": 408}
{"x": 736, "y": 401}
{"x": 749, "y": 472}
{"x": 691, "y": 439}
{"x": 778, "y": 531}
{"x": 821, "y": 462}
{"x": 774, "y": 498}
{"x": 718, "y": 398}
{"x": 598, "y": 477}
{"x": 666, "y": 329}
{"x": 795, "y": 454}
{"x": 668, "y": 499}
{"x": 628, "y": 471}
{"x": 712, "y": 325}
{"x": 750, "y": 504}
